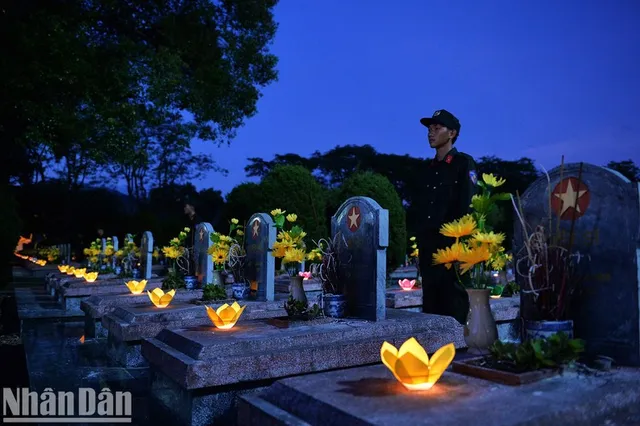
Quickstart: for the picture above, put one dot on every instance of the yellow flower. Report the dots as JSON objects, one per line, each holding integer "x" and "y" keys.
{"x": 469, "y": 258}
{"x": 481, "y": 203}
{"x": 294, "y": 255}
{"x": 276, "y": 212}
{"x": 292, "y": 217}
{"x": 219, "y": 256}
{"x": 462, "y": 227}
{"x": 492, "y": 180}
{"x": 225, "y": 316}
{"x": 489, "y": 238}
{"x": 239, "y": 232}
{"x": 187, "y": 229}
{"x": 448, "y": 255}
{"x": 415, "y": 253}
{"x": 234, "y": 221}
{"x": 415, "y": 246}
{"x": 412, "y": 239}
{"x": 175, "y": 240}
{"x": 411, "y": 365}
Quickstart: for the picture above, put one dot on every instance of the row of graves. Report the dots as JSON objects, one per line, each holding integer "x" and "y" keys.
{"x": 326, "y": 342}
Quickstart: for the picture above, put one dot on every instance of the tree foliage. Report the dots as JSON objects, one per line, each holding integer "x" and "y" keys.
{"x": 626, "y": 168}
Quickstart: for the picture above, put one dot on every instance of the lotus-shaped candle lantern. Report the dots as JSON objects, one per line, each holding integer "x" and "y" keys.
{"x": 79, "y": 273}
{"x": 407, "y": 284}
{"x": 63, "y": 268}
{"x": 225, "y": 317}
{"x": 136, "y": 287}
{"x": 70, "y": 270}
{"x": 90, "y": 276}
{"x": 41, "y": 262}
{"x": 160, "y": 298}
{"x": 411, "y": 364}
{"x": 305, "y": 275}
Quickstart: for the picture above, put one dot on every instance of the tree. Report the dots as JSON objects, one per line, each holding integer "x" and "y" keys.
{"x": 243, "y": 201}
{"x": 626, "y": 168}
{"x": 380, "y": 189}
{"x": 294, "y": 189}
{"x": 71, "y": 69}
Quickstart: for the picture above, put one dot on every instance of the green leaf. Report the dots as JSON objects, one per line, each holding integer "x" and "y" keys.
{"x": 501, "y": 196}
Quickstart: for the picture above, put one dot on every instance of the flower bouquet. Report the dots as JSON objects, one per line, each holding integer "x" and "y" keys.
{"x": 178, "y": 257}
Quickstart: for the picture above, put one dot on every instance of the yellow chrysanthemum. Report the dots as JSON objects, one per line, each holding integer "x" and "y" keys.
{"x": 235, "y": 221}
{"x": 448, "y": 255}
{"x": 219, "y": 256}
{"x": 492, "y": 181}
{"x": 276, "y": 212}
{"x": 462, "y": 227}
{"x": 489, "y": 238}
{"x": 469, "y": 258}
{"x": 292, "y": 217}
{"x": 294, "y": 255}
{"x": 412, "y": 239}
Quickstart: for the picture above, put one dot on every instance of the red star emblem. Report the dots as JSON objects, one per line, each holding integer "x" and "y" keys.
{"x": 255, "y": 229}
{"x": 448, "y": 159}
{"x": 354, "y": 218}
{"x": 570, "y": 198}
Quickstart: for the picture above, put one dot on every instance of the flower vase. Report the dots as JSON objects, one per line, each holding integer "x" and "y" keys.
{"x": 481, "y": 331}
{"x": 217, "y": 278}
{"x": 296, "y": 289}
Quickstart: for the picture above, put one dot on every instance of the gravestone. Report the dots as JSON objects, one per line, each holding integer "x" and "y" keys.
{"x": 146, "y": 255}
{"x": 104, "y": 245}
{"x": 116, "y": 244}
{"x": 606, "y": 229}
{"x": 260, "y": 264}
{"x": 365, "y": 227}
{"x": 203, "y": 261}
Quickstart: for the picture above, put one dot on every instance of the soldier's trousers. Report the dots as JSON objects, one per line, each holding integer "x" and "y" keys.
{"x": 442, "y": 294}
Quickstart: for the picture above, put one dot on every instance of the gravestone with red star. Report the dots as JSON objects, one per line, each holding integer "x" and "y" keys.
{"x": 203, "y": 261}
{"x": 605, "y": 206}
{"x": 260, "y": 265}
{"x": 365, "y": 227}
{"x": 146, "y": 255}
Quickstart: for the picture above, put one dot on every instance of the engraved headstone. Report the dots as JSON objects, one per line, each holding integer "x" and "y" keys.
{"x": 365, "y": 227}
{"x": 606, "y": 229}
{"x": 260, "y": 264}
{"x": 146, "y": 255}
{"x": 203, "y": 261}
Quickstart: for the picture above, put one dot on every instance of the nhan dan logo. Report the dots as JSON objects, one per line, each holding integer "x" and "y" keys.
{"x": 83, "y": 406}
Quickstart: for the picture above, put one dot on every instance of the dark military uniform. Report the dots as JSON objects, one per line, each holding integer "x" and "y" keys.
{"x": 449, "y": 185}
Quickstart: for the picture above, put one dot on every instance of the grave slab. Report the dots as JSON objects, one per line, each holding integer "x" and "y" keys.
{"x": 205, "y": 369}
{"x": 95, "y": 307}
{"x": 372, "y": 396}
{"x": 71, "y": 294}
{"x": 127, "y": 326}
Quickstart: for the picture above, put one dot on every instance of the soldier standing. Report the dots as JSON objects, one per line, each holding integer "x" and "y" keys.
{"x": 449, "y": 183}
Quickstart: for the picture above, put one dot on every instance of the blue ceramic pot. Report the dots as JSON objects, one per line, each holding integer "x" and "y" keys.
{"x": 546, "y": 329}
{"x": 190, "y": 282}
{"x": 334, "y": 305}
{"x": 240, "y": 291}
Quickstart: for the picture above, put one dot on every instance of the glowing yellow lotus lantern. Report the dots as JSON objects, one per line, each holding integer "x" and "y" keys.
{"x": 71, "y": 270}
{"x": 63, "y": 268}
{"x": 406, "y": 284}
{"x": 136, "y": 287}
{"x": 160, "y": 298}
{"x": 79, "y": 273}
{"x": 90, "y": 276}
{"x": 41, "y": 262}
{"x": 411, "y": 364}
{"x": 225, "y": 316}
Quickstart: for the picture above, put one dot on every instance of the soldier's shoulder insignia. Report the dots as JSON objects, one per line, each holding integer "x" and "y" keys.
{"x": 473, "y": 176}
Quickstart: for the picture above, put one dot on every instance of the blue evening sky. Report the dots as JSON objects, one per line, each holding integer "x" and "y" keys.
{"x": 526, "y": 78}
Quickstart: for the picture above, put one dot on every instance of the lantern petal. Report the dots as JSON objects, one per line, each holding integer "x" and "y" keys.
{"x": 222, "y": 308}
{"x": 153, "y": 297}
{"x": 412, "y": 346}
{"x": 237, "y": 315}
{"x": 440, "y": 360}
{"x": 411, "y": 369}
{"x": 213, "y": 316}
{"x": 227, "y": 314}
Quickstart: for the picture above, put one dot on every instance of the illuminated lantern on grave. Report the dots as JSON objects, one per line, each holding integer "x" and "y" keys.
{"x": 225, "y": 317}
{"x": 406, "y": 284}
{"x": 411, "y": 365}
{"x": 136, "y": 287}
{"x": 90, "y": 277}
{"x": 159, "y": 298}
{"x": 79, "y": 273}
